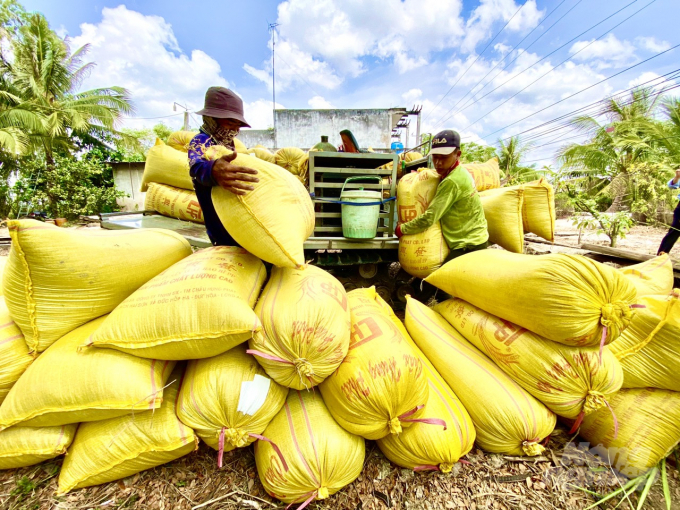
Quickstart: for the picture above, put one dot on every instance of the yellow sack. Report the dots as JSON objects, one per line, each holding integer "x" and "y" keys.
{"x": 14, "y": 356}
{"x": 173, "y": 202}
{"x": 240, "y": 147}
{"x": 3, "y": 262}
{"x": 57, "y": 279}
{"x": 649, "y": 350}
{"x": 568, "y": 380}
{"x": 274, "y": 220}
{"x": 263, "y": 154}
{"x": 538, "y": 209}
{"x": 26, "y": 446}
{"x": 420, "y": 254}
{"x": 166, "y": 166}
{"x": 180, "y": 140}
{"x": 410, "y": 156}
{"x": 65, "y": 386}
{"x": 424, "y": 446}
{"x": 200, "y": 307}
{"x": 318, "y": 457}
{"x": 653, "y": 277}
{"x": 503, "y": 212}
{"x": 507, "y": 419}
{"x": 305, "y": 317}
{"x": 380, "y": 387}
{"x": 565, "y": 298}
{"x": 290, "y": 158}
{"x": 108, "y": 450}
{"x": 648, "y": 429}
{"x": 486, "y": 175}
{"x": 228, "y": 400}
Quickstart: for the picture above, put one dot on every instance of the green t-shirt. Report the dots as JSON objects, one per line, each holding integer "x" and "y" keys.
{"x": 459, "y": 208}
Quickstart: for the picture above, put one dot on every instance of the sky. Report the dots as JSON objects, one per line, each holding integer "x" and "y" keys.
{"x": 490, "y": 69}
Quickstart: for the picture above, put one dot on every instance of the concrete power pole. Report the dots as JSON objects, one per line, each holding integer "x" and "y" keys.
{"x": 272, "y": 27}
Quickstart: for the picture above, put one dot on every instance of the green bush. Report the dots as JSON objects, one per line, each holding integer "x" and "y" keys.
{"x": 67, "y": 189}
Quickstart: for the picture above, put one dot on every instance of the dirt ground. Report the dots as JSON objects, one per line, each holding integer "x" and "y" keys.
{"x": 485, "y": 481}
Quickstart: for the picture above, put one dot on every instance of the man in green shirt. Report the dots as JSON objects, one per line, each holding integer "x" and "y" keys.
{"x": 456, "y": 204}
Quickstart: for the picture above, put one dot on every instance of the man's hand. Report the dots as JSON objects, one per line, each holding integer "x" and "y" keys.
{"x": 677, "y": 174}
{"x": 233, "y": 177}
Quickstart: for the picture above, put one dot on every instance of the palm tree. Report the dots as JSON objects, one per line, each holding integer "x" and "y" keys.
{"x": 510, "y": 161}
{"x": 615, "y": 147}
{"x": 48, "y": 76}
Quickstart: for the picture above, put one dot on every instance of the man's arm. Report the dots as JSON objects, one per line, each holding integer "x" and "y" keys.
{"x": 442, "y": 202}
{"x": 674, "y": 183}
{"x": 219, "y": 172}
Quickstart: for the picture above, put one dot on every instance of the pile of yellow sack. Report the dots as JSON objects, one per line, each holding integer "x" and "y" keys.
{"x": 214, "y": 350}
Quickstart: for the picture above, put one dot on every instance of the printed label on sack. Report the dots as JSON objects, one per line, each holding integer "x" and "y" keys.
{"x": 253, "y": 395}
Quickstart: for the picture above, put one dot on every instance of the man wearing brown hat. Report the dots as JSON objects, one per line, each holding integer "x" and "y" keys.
{"x": 222, "y": 120}
{"x": 456, "y": 204}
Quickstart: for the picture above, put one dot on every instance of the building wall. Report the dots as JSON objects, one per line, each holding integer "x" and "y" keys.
{"x": 304, "y": 128}
{"x": 127, "y": 177}
{"x": 253, "y": 137}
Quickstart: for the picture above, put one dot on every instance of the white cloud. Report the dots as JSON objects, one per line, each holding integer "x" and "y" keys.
{"x": 412, "y": 96}
{"x": 295, "y": 67}
{"x": 605, "y": 53}
{"x": 319, "y": 103}
{"x": 501, "y": 48}
{"x": 259, "y": 114}
{"x": 141, "y": 53}
{"x": 652, "y": 44}
{"x": 483, "y": 19}
{"x": 330, "y": 38}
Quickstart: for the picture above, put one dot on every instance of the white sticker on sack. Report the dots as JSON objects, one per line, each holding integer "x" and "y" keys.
{"x": 253, "y": 395}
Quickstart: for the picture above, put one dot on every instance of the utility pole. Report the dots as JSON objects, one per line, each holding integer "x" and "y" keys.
{"x": 186, "y": 115}
{"x": 272, "y": 28}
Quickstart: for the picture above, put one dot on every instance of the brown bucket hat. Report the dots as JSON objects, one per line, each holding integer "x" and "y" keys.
{"x": 222, "y": 103}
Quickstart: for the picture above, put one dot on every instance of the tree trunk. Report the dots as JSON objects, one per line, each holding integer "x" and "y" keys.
{"x": 619, "y": 190}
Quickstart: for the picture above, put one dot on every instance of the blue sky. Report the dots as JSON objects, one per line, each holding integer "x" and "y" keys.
{"x": 375, "y": 54}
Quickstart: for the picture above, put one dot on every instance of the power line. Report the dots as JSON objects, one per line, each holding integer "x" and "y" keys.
{"x": 548, "y": 55}
{"x": 668, "y": 77}
{"x": 582, "y": 90}
{"x": 478, "y": 57}
{"x": 510, "y": 53}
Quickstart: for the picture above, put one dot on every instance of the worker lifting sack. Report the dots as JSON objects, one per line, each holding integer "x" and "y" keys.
{"x": 649, "y": 349}
{"x": 653, "y": 277}
{"x": 113, "y": 449}
{"x": 173, "y": 202}
{"x": 26, "y": 446}
{"x": 65, "y": 386}
{"x": 306, "y": 326}
{"x": 380, "y": 388}
{"x": 507, "y": 419}
{"x": 424, "y": 446}
{"x": 166, "y": 165}
{"x": 274, "y": 219}
{"x": 14, "y": 356}
{"x": 58, "y": 279}
{"x": 569, "y": 299}
{"x": 503, "y": 213}
{"x": 318, "y": 457}
{"x": 570, "y": 381}
{"x": 228, "y": 400}
{"x": 420, "y": 254}
{"x": 200, "y": 307}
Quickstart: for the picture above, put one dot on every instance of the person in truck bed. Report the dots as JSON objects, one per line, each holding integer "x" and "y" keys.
{"x": 222, "y": 120}
{"x": 674, "y": 232}
{"x": 456, "y": 204}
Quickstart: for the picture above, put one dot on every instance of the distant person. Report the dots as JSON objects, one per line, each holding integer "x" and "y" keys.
{"x": 349, "y": 143}
{"x": 456, "y": 203}
{"x": 674, "y": 232}
{"x": 222, "y": 120}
